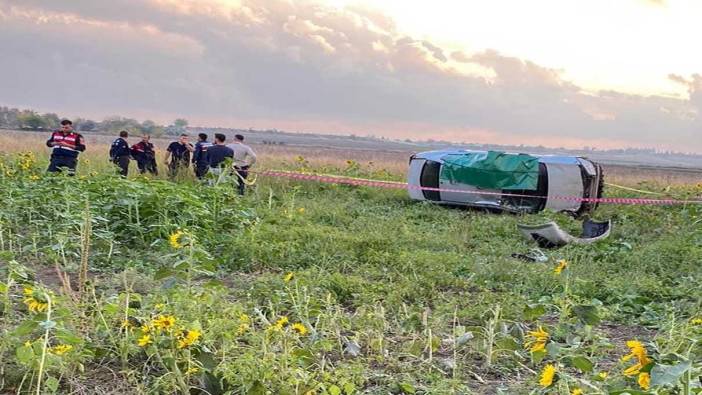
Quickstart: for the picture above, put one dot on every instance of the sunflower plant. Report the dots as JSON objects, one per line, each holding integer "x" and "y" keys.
{"x": 172, "y": 343}
{"x": 187, "y": 261}
{"x": 46, "y": 342}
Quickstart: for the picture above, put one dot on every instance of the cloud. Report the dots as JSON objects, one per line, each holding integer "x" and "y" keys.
{"x": 300, "y": 64}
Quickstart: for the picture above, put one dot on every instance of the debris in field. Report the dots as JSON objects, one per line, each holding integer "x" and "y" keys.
{"x": 550, "y": 235}
{"x": 534, "y": 255}
{"x": 352, "y": 348}
{"x": 464, "y": 338}
{"x": 447, "y": 363}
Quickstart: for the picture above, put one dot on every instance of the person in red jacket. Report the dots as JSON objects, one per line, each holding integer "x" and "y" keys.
{"x": 145, "y": 155}
{"x": 66, "y": 145}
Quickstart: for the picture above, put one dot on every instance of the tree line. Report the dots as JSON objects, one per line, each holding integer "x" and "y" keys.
{"x": 13, "y": 118}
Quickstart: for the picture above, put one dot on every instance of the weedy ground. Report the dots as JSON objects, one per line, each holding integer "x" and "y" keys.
{"x": 145, "y": 285}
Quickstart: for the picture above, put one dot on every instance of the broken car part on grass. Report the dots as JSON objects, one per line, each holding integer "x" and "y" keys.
{"x": 550, "y": 235}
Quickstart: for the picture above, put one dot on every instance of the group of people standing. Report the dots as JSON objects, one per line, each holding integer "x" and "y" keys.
{"x": 205, "y": 157}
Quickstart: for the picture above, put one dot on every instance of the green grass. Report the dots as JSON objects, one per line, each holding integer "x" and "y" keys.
{"x": 387, "y": 287}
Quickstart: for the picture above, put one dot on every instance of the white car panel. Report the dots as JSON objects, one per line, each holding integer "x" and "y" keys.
{"x": 414, "y": 178}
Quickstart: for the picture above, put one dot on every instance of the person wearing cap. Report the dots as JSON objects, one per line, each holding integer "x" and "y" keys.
{"x": 200, "y": 156}
{"x": 178, "y": 155}
{"x": 120, "y": 154}
{"x": 244, "y": 158}
{"x": 65, "y": 145}
{"x": 145, "y": 155}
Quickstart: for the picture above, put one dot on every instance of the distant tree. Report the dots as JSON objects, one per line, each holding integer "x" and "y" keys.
{"x": 116, "y": 124}
{"x": 31, "y": 120}
{"x": 51, "y": 120}
{"x": 157, "y": 131}
{"x": 171, "y": 130}
{"x": 179, "y": 126}
{"x": 9, "y": 118}
{"x": 148, "y": 126}
{"x": 152, "y": 128}
{"x": 85, "y": 125}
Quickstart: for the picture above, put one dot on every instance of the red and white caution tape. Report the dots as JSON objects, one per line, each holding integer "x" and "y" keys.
{"x": 332, "y": 179}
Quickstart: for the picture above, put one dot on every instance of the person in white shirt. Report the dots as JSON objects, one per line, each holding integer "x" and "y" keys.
{"x": 244, "y": 158}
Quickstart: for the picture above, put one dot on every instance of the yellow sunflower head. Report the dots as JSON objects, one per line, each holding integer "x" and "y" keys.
{"x": 144, "y": 341}
{"x": 547, "y": 376}
{"x": 175, "y": 239}
{"x": 165, "y": 322}
{"x": 61, "y": 349}
{"x": 300, "y": 328}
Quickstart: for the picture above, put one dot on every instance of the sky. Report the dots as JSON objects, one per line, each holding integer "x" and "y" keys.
{"x": 567, "y": 73}
{"x": 628, "y": 45}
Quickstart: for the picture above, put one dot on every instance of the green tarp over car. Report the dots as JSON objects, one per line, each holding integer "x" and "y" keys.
{"x": 491, "y": 170}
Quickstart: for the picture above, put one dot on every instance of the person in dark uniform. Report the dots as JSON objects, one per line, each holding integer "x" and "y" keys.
{"x": 200, "y": 156}
{"x": 145, "y": 155}
{"x": 217, "y": 154}
{"x": 120, "y": 153}
{"x": 66, "y": 145}
{"x": 178, "y": 155}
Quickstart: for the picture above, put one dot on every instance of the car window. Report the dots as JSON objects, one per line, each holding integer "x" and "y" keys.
{"x": 430, "y": 178}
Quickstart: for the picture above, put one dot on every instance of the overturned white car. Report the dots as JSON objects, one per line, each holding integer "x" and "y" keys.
{"x": 505, "y": 181}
